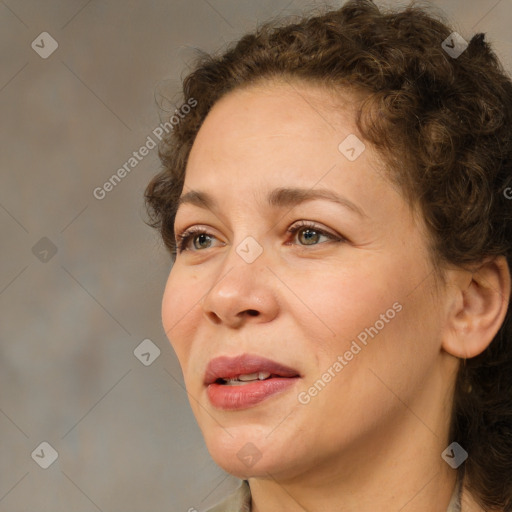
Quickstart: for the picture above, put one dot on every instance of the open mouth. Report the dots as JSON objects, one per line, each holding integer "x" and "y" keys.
{"x": 244, "y": 381}
{"x": 245, "y": 368}
{"x": 246, "y": 378}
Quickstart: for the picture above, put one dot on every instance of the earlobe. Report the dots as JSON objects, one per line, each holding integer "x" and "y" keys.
{"x": 478, "y": 308}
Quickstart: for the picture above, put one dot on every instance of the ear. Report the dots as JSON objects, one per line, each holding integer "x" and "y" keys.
{"x": 477, "y": 307}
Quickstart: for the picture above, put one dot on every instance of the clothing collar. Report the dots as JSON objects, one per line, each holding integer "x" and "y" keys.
{"x": 240, "y": 500}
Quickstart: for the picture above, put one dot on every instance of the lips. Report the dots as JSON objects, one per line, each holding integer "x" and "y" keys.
{"x": 234, "y": 383}
{"x": 225, "y": 368}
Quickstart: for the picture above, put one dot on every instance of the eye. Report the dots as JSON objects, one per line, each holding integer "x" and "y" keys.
{"x": 193, "y": 234}
{"x": 311, "y": 233}
{"x": 202, "y": 239}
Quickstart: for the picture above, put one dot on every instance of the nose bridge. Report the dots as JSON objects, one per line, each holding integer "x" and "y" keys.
{"x": 246, "y": 264}
{"x": 250, "y": 254}
{"x": 241, "y": 285}
{"x": 250, "y": 249}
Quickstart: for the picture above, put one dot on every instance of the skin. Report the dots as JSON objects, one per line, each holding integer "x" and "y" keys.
{"x": 372, "y": 438}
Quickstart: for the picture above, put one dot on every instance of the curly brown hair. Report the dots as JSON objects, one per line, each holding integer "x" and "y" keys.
{"x": 444, "y": 127}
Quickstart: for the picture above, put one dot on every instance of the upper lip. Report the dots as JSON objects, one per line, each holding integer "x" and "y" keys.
{"x": 230, "y": 367}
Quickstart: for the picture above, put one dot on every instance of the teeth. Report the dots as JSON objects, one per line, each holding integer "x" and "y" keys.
{"x": 254, "y": 376}
{"x": 247, "y": 378}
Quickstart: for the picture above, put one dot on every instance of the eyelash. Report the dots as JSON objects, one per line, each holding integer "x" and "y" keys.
{"x": 187, "y": 235}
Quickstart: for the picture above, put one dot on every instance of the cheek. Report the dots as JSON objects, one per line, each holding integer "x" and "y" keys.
{"x": 179, "y": 304}
{"x": 372, "y": 303}
{"x": 385, "y": 329}
{"x": 342, "y": 303}
{"x": 382, "y": 356}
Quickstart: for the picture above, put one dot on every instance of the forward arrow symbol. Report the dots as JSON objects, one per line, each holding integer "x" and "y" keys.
{"x": 41, "y": 456}
{"x": 452, "y": 45}
{"x": 40, "y": 45}
{"x": 146, "y": 354}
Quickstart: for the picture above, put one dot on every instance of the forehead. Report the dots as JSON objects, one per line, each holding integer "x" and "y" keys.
{"x": 290, "y": 105}
{"x": 272, "y": 127}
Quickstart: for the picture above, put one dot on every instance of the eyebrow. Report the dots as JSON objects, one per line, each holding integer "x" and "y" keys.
{"x": 277, "y": 198}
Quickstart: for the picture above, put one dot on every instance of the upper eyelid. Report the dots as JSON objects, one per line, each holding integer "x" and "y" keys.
{"x": 196, "y": 230}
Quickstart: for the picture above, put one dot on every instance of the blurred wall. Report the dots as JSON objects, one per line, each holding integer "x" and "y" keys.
{"x": 81, "y": 275}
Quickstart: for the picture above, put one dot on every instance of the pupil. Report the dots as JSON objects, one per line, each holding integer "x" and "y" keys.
{"x": 308, "y": 233}
{"x": 201, "y": 238}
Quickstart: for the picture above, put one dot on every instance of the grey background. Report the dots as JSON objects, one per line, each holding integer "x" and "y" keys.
{"x": 125, "y": 436}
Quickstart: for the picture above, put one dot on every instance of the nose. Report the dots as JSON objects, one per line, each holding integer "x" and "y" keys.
{"x": 242, "y": 292}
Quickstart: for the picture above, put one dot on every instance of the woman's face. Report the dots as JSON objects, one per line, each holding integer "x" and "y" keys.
{"x": 346, "y": 305}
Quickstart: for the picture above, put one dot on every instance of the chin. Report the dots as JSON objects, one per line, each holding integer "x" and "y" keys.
{"x": 250, "y": 466}
{"x": 248, "y": 454}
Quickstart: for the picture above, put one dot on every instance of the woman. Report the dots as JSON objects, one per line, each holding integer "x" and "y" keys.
{"x": 338, "y": 207}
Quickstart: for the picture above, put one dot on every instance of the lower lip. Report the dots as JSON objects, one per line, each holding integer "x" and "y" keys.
{"x": 227, "y": 397}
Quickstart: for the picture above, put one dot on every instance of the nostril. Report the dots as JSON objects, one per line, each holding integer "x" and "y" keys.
{"x": 252, "y": 312}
